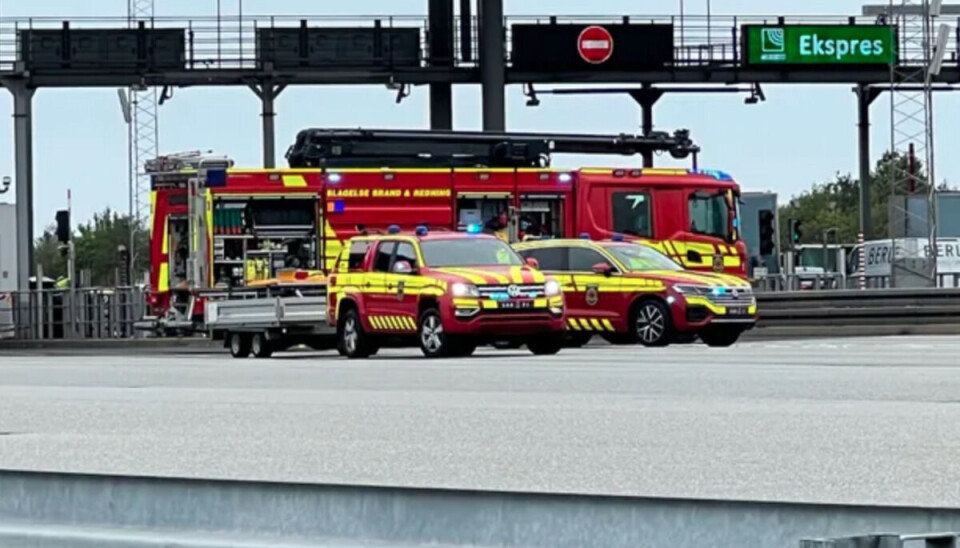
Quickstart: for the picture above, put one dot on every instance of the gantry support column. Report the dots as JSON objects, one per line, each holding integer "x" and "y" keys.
{"x": 646, "y": 97}
{"x": 493, "y": 75}
{"x": 268, "y": 92}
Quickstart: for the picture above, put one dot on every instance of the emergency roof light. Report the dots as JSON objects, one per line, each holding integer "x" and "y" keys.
{"x": 715, "y": 173}
{"x": 338, "y": 206}
{"x": 584, "y": 236}
{"x": 474, "y": 228}
{"x": 421, "y": 230}
{"x": 617, "y": 237}
{"x": 393, "y": 229}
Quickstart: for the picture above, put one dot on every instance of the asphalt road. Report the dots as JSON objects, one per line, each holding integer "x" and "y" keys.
{"x": 854, "y": 420}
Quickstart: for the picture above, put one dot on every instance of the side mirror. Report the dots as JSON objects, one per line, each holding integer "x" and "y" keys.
{"x": 402, "y": 267}
{"x": 603, "y": 268}
{"x": 694, "y": 256}
{"x": 533, "y": 263}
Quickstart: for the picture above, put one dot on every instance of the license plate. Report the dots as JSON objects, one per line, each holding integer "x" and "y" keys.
{"x": 516, "y": 305}
{"x": 737, "y": 310}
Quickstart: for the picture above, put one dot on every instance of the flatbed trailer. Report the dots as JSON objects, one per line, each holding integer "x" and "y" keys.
{"x": 275, "y": 317}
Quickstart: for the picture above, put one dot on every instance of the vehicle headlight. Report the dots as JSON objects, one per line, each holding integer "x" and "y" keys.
{"x": 551, "y": 288}
{"x": 693, "y": 289}
{"x": 464, "y": 290}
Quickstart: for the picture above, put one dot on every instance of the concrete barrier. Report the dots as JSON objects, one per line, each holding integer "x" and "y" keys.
{"x": 55, "y": 510}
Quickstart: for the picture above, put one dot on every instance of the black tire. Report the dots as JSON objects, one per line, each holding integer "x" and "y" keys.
{"x": 577, "y": 340}
{"x": 545, "y": 346}
{"x": 260, "y": 346}
{"x": 652, "y": 323}
{"x": 239, "y": 345}
{"x": 434, "y": 341}
{"x": 720, "y": 336}
{"x": 620, "y": 338}
{"x": 353, "y": 341}
{"x": 463, "y": 349}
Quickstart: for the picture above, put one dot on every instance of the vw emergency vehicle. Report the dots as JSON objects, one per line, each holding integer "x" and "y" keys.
{"x": 630, "y": 293}
{"x": 214, "y": 227}
{"x": 445, "y": 292}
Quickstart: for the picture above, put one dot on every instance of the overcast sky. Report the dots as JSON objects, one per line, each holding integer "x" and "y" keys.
{"x": 800, "y": 135}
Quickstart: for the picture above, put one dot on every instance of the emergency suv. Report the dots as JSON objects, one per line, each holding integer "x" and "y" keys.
{"x": 631, "y": 293}
{"x": 446, "y": 292}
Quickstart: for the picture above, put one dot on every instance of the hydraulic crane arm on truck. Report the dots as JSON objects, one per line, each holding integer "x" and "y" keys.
{"x": 399, "y": 148}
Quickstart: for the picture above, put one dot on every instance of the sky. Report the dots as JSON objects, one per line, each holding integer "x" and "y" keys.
{"x": 799, "y": 136}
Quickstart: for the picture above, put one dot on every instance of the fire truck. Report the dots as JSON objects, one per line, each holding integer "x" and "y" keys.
{"x": 241, "y": 225}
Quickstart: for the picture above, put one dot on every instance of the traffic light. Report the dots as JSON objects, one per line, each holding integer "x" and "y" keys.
{"x": 63, "y": 226}
{"x": 795, "y": 232}
{"x": 767, "y": 232}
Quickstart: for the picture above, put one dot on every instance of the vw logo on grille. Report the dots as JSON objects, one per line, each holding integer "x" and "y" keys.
{"x": 513, "y": 291}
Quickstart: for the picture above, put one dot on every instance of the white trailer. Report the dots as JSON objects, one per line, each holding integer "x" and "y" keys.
{"x": 273, "y": 318}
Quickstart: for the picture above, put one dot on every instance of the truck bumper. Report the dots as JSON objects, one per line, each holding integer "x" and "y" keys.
{"x": 696, "y": 314}
{"x": 503, "y": 324}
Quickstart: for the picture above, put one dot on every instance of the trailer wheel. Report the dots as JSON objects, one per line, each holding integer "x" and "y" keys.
{"x": 239, "y": 345}
{"x": 260, "y": 346}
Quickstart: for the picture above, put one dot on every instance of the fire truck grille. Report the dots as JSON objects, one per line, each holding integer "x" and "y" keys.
{"x": 503, "y": 292}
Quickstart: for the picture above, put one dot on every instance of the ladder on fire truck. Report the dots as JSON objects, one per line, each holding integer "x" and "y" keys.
{"x": 320, "y": 147}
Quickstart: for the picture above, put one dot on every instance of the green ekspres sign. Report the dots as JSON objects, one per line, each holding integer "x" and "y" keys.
{"x": 820, "y": 45}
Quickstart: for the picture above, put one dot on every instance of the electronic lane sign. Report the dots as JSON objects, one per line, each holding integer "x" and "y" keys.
{"x": 581, "y": 48}
{"x": 819, "y": 45}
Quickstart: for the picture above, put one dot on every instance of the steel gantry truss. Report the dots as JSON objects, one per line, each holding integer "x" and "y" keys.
{"x": 143, "y": 134}
{"x": 912, "y": 206}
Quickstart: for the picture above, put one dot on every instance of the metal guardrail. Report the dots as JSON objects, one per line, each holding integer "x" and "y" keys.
{"x": 87, "y": 313}
{"x": 933, "y": 540}
{"x": 833, "y": 281}
{"x": 60, "y": 509}
{"x": 881, "y": 306}
{"x": 229, "y": 43}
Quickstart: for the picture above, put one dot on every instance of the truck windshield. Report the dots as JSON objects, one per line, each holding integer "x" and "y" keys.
{"x": 468, "y": 252}
{"x": 710, "y": 214}
{"x": 640, "y": 258}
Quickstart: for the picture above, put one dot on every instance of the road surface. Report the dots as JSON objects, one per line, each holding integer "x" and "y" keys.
{"x": 853, "y": 420}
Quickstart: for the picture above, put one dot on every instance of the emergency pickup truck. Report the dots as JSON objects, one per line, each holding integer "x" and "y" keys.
{"x": 629, "y": 293}
{"x": 446, "y": 292}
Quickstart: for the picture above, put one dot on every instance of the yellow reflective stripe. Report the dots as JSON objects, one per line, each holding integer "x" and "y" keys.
{"x": 596, "y": 324}
{"x": 166, "y": 237}
{"x": 573, "y": 323}
{"x": 585, "y": 324}
{"x": 516, "y": 273}
{"x": 473, "y": 278}
{"x": 466, "y": 303}
{"x": 540, "y": 303}
{"x": 375, "y": 322}
{"x": 395, "y": 323}
{"x": 153, "y": 210}
{"x": 408, "y": 322}
{"x": 292, "y": 181}
{"x": 499, "y": 277}
{"x": 538, "y": 277}
{"x": 489, "y": 304}
{"x": 608, "y": 325}
{"x": 556, "y": 301}
{"x": 163, "y": 284}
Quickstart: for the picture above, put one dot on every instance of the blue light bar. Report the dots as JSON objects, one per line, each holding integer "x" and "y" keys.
{"x": 719, "y": 290}
{"x": 338, "y": 206}
{"x": 216, "y": 177}
{"x": 715, "y": 173}
{"x": 584, "y": 236}
{"x": 393, "y": 229}
{"x": 421, "y": 230}
{"x": 474, "y": 228}
{"x": 618, "y": 237}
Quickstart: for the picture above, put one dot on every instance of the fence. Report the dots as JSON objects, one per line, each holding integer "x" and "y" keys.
{"x": 87, "y": 313}
{"x": 834, "y": 281}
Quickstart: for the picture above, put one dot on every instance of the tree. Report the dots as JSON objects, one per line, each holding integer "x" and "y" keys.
{"x": 96, "y": 244}
{"x": 836, "y": 204}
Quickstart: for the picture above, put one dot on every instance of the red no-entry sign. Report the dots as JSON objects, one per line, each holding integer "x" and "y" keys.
{"x": 595, "y": 44}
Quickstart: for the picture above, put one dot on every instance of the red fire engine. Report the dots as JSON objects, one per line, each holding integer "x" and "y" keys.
{"x": 216, "y": 227}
